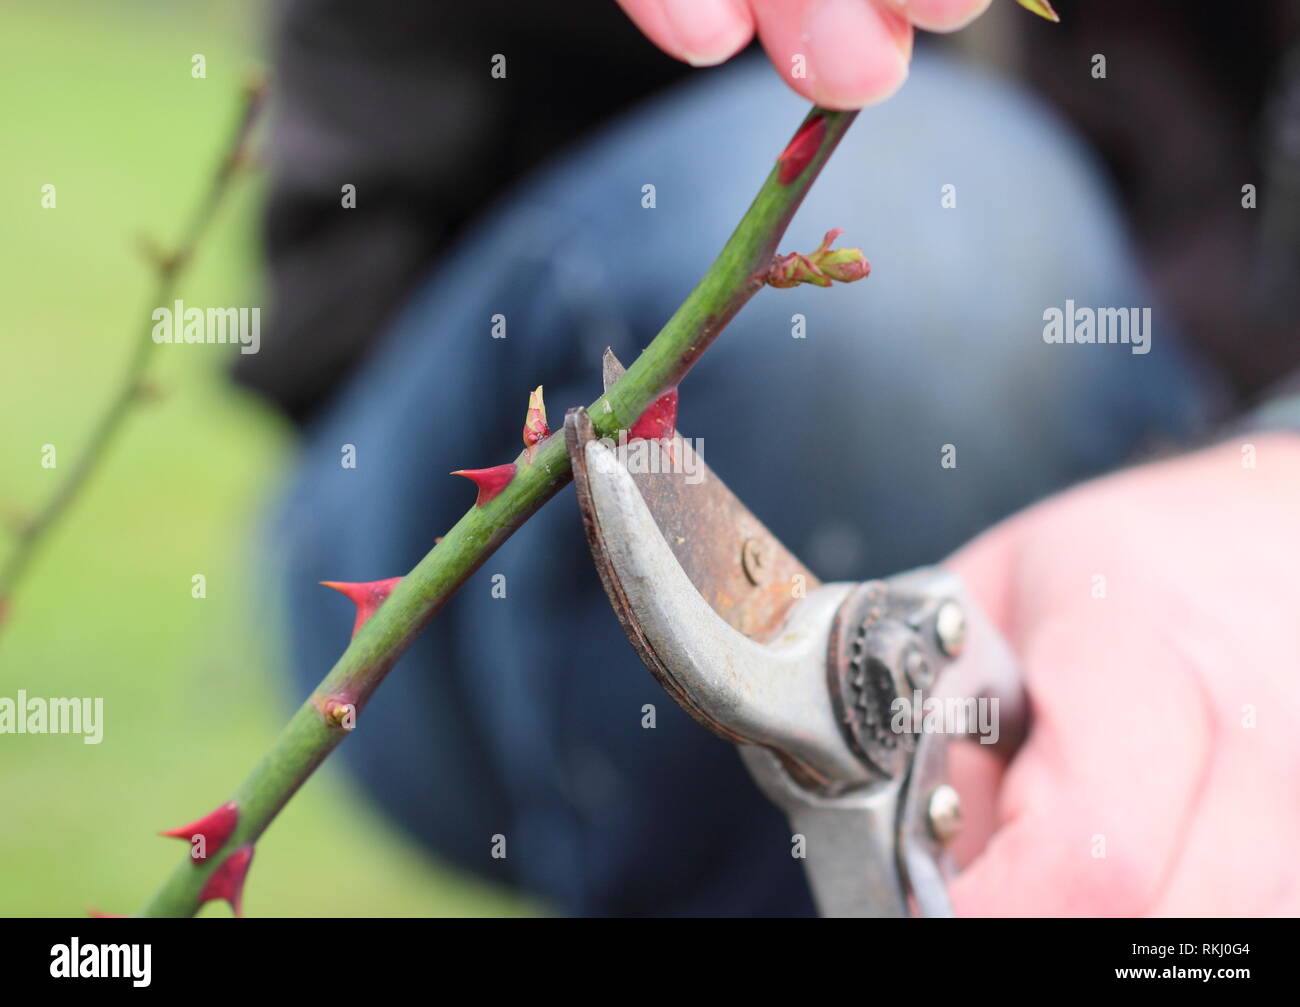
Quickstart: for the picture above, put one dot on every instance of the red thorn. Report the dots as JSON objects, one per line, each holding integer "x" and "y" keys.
{"x": 535, "y": 428}
{"x": 659, "y": 421}
{"x": 227, "y": 881}
{"x": 799, "y": 153}
{"x": 215, "y": 827}
{"x": 438, "y": 538}
{"x": 367, "y": 596}
{"x": 94, "y": 913}
{"x": 490, "y": 482}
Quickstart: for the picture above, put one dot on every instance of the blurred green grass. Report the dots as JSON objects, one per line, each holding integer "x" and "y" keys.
{"x": 100, "y": 102}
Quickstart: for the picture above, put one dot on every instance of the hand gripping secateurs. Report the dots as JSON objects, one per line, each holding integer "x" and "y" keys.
{"x": 802, "y": 676}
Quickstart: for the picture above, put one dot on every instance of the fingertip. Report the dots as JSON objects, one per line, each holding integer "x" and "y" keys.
{"x": 699, "y": 32}
{"x": 856, "y": 56}
{"x": 709, "y": 32}
{"x": 941, "y": 15}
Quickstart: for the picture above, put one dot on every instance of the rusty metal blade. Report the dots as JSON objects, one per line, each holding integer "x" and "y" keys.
{"x": 739, "y": 567}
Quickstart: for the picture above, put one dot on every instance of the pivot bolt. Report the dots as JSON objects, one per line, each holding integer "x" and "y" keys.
{"x": 945, "y": 813}
{"x": 950, "y": 628}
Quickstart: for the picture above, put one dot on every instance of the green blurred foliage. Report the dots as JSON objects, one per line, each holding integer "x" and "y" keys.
{"x": 99, "y": 100}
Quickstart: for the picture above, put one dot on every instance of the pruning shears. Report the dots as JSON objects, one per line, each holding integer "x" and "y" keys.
{"x": 805, "y": 678}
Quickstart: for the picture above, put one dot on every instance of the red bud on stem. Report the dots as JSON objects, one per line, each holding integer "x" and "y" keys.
{"x": 844, "y": 265}
{"x": 535, "y": 428}
{"x": 800, "y": 151}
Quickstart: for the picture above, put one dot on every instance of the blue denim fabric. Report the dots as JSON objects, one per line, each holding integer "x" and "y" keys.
{"x": 522, "y": 716}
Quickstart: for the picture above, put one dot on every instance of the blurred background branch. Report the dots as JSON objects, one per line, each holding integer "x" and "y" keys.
{"x": 100, "y": 100}
{"x": 169, "y": 266}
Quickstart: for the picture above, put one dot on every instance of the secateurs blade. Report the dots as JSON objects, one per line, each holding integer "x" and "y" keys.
{"x": 805, "y": 678}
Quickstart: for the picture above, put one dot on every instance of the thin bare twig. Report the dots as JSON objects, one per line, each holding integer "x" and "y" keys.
{"x": 169, "y": 267}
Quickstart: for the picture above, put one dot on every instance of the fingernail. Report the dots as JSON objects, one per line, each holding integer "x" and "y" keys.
{"x": 854, "y": 58}
{"x": 707, "y": 31}
{"x": 947, "y": 15}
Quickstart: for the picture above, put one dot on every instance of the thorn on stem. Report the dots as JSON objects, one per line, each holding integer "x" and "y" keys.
{"x": 215, "y": 827}
{"x": 367, "y": 596}
{"x": 490, "y": 482}
{"x": 255, "y": 86}
{"x": 151, "y": 252}
{"x": 659, "y": 421}
{"x": 245, "y": 161}
{"x": 148, "y": 392}
{"x": 18, "y": 521}
{"x": 227, "y": 881}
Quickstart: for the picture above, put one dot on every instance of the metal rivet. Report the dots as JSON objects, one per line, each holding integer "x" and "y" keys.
{"x": 753, "y": 560}
{"x": 945, "y": 813}
{"x": 950, "y": 628}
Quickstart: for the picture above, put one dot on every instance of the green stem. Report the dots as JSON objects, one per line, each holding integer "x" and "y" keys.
{"x": 311, "y": 735}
